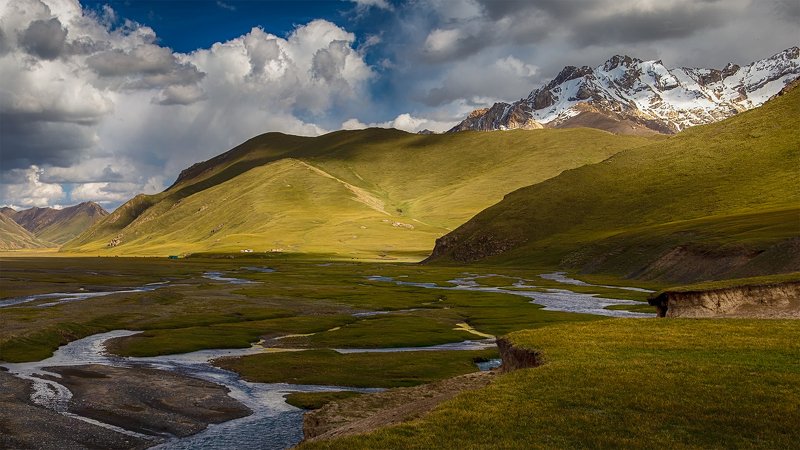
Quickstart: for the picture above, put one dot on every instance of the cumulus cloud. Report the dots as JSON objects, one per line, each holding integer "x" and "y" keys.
{"x": 114, "y": 193}
{"x": 44, "y": 38}
{"x": 405, "y": 122}
{"x": 96, "y": 103}
{"x": 28, "y": 190}
{"x": 104, "y": 109}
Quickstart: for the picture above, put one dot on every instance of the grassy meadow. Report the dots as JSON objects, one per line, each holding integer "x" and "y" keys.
{"x": 604, "y": 382}
{"x": 311, "y": 298}
{"x": 626, "y": 383}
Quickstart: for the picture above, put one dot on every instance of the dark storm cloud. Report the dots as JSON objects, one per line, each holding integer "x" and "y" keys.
{"x": 5, "y": 46}
{"x": 557, "y": 9}
{"x": 647, "y": 26}
{"x": 581, "y": 22}
{"x": 44, "y": 38}
{"x": 26, "y": 141}
{"x": 144, "y": 67}
{"x": 147, "y": 60}
{"x": 788, "y": 9}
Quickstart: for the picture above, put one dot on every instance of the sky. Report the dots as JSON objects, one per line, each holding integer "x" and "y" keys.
{"x": 102, "y": 100}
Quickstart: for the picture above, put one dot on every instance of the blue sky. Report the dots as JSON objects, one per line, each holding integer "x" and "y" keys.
{"x": 186, "y": 25}
{"x": 101, "y": 100}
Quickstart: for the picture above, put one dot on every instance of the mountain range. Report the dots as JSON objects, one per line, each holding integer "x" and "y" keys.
{"x": 630, "y": 96}
{"x": 14, "y": 237}
{"x": 47, "y": 227}
{"x": 711, "y": 201}
{"x": 714, "y": 201}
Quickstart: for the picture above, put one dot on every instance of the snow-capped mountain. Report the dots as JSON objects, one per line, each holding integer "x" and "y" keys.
{"x": 628, "y": 95}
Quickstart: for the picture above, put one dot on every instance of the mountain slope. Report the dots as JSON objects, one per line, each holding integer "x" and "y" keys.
{"x": 630, "y": 96}
{"x": 369, "y": 193}
{"x": 60, "y": 225}
{"x": 713, "y": 201}
{"x": 14, "y": 237}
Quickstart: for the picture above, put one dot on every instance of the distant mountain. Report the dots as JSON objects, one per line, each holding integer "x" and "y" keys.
{"x": 718, "y": 201}
{"x": 58, "y": 225}
{"x": 629, "y": 96}
{"x": 373, "y": 193}
{"x": 14, "y": 237}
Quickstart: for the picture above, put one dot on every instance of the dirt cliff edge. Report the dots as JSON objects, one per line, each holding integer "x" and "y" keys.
{"x": 775, "y": 300}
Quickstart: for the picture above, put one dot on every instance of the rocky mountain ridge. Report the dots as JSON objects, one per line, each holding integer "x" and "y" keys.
{"x": 631, "y": 96}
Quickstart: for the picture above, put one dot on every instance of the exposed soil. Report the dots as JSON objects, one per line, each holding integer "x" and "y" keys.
{"x": 514, "y": 357}
{"x": 770, "y": 301}
{"x": 368, "y": 412}
{"x": 25, "y": 425}
{"x": 148, "y": 401}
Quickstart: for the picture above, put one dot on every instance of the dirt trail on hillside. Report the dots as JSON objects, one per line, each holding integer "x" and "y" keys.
{"x": 361, "y": 195}
{"x": 369, "y": 412}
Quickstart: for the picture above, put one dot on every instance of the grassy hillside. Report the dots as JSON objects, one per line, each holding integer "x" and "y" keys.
{"x": 715, "y": 201}
{"x": 373, "y": 193}
{"x": 14, "y": 237}
{"x": 60, "y": 225}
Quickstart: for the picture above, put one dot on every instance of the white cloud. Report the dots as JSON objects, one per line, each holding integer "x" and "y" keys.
{"x": 381, "y": 4}
{"x": 516, "y": 67}
{"x": 30, "y": 190}
{"x": 405, "y": 122}
{"x": 353, "y": 124}
{"x": 442, "y": 41}
{"x": 112, "y": 112}
{"x": 227, "y": 6}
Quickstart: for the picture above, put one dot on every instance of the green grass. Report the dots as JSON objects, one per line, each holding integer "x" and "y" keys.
{"x": 407, "y": 330}
{"x": 300, "y": 297}
{"x": 710, "y": 192}
{"x": 626, "y": 383}
{"x": 370, "y": 194}
{"x": 327, "y": 367}
{"x": 13, "y": 236}
{"x": 736, "y": 282}
{"x": 316, "y": 400}
{"x": 224, "y": 335}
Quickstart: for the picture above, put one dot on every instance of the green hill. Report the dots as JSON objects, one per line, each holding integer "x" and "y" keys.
{"x": 715, "y": 201}
{"x": 369, "y": 194}
{"x": 59, "y": 225}
{"x": 14, "y": 237}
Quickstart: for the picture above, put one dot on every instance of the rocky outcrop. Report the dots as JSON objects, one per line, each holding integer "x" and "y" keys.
{"x": 637, "y": 97}
{"x": 475, "y": 248}
{"x": 777, "y": 300}
{"x": 499, "y": 117}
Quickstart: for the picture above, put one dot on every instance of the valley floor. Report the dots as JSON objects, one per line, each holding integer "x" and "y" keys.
{"x": 329, "y": 334}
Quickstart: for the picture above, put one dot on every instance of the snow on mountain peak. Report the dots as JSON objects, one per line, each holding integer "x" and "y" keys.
{"x": 636, "y": 96}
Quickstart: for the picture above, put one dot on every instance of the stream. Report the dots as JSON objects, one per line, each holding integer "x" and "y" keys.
{"x": 551, "y": 299}
{"x": 65, "y": 297}
{"x": 274, "y": 424}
